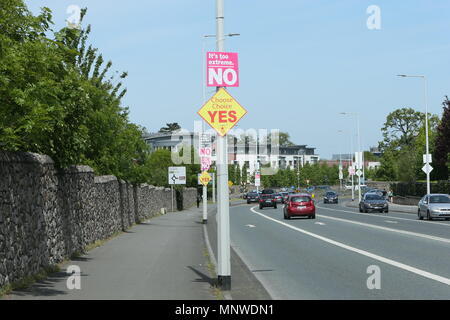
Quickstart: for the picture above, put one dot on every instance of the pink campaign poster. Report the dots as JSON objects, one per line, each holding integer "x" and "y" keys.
{"x": 222, "y": 69}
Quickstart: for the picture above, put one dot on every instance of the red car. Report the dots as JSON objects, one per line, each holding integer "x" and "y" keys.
{"x": 299, "y": 205}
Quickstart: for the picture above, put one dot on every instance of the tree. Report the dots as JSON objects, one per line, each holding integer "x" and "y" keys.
{"x": 170, "y": 127}
{"x": 442, "y": 144}
{"x": 55, "y": 98}
{"x": 401, "y": 128}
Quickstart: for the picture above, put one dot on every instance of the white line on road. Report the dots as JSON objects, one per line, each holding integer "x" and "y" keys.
{"x": 400, "y": 265}
{"x": 390, "y": 221}
{"x": 319, "y": 223}
{"x": 415, "y": 234}
{"x": 250, "y": 226}
{"x": 383, "y": 216}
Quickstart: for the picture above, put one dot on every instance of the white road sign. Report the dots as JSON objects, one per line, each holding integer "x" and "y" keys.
{"x": 427, "y": 168}
{"x": 359, "y": 173}
{"x": 177, "y": 175}
{"x": 425, "y": 160}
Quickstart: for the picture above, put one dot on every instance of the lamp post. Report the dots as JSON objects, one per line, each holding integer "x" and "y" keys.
{"x": 359, "y": 148}
{"x": 427, "y": 156}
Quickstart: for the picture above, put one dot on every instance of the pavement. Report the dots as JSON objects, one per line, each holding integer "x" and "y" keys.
{"x": 344, "y": 254}
{"x": 163, "y": 258}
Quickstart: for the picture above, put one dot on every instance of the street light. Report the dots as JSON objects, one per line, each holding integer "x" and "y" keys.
{"x": 359, "y": 148}
{"x": 427, "y": 157}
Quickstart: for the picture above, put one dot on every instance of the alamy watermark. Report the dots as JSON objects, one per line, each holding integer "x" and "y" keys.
{"x": 374, "y": 19}
{"x": 374, "y": 280}
{"x": 74, "y": 280}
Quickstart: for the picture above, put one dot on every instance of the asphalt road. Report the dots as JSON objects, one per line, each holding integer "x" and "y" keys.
{"x": 329, "y": 257}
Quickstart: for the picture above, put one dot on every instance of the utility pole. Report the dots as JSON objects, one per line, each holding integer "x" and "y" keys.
{"x": 223, "y": 212}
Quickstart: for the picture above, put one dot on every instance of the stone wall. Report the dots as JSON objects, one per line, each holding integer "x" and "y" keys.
{"x": 47, "y": 216}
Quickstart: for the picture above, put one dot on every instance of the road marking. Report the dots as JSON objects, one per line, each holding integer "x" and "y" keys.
{"x": 390, "y": 221}
{"x": 420, "y": 235}
{"x": 319, "y": 223}
{"x": 250, "y": 226}
{"x": 400, "y": 265}
{"x": 383, "y": 216}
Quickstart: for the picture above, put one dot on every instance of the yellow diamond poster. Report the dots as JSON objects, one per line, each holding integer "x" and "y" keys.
{"x": 222, "y": 112}
{"x": 204, "y": 178}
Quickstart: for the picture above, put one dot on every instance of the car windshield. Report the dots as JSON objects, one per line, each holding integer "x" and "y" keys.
{"x": 374, "y": 197}
{"x": 252, "y": 194}
{"x": 301, "y": 199}
{"x": 440, "y": 199}
{"x": 331, "y": 194}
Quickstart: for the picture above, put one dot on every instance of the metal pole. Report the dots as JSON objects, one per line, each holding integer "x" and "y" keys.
{"x": 360, "y": 164}
{"x": 214, "y": 187}
{"x": 426, "y": 135}
{"x": 223, "y": 217}
{"x": 171, "y": 187}
{"x": 205, "y": 205}
{"x": 353, "y": 167}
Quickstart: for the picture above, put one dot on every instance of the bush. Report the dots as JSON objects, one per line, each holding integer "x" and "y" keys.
{"x": 419, "y": 189}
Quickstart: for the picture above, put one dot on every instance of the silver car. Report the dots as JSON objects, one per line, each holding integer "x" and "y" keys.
{"x": 434, "y": 206}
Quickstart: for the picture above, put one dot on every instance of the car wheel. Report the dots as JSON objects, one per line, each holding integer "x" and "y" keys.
{"x": 313, "y": 216}
{"x": 360, "y": 210}
{"x": 248, "y": 202}
{"x": 429, "y": 216}
{"x": 260, "y": 207}
{"x": 419, "y": 215}
{"x": 366, "y": 211}
{"x": 386, "y": 211}
{"x": 275, "y": 206}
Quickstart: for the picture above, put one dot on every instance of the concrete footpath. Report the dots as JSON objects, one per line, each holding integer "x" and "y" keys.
{"x": 163, "y": 258}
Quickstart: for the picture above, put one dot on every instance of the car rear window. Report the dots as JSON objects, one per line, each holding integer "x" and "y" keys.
{"x": 300, "y": 199}
{"x": 252, "y": 194}
{"x": 266, "y": 196}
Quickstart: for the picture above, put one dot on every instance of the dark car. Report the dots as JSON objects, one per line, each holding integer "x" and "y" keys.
{"x": 267, "y": 200}
{"x": 373, "y": 202}
{"x": 252, "y": 197}
{"x": 278, "y": 197}
{"x": 268, "y": 191}
{"x": 284, "y": 196}
{"x": 299, "y": 205}
{"x": 330, "y": 197}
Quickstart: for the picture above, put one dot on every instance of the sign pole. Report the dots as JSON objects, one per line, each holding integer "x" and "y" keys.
{"x": 205, "y": 205}
{"x": 223, "y": 217}
{"x": 214, "y": 187}
{"x": 171, "y": 187}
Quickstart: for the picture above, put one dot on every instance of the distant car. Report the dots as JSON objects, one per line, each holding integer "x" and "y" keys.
{"x": 268, "y": 191}
{"x": 278, "y": 197}
{"x": 252, "y": 197}
{"x": 330, "y": 197}
{"x": 373, "y": 202}
{"x": 267, "y": 200}
{"x": 434, "y": 205}
{"x": 284, "y": 196}
{"x": 299, "y": 205}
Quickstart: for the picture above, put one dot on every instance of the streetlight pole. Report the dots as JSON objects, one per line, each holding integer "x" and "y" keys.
{"x": 427, "y": 147}
{"x": 358, "y": 161}
{"x": 223, "y": 212}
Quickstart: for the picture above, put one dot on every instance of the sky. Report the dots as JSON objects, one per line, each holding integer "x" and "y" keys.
{"x": 301, "y": 62}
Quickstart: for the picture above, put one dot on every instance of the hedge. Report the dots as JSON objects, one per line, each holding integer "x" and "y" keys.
{"x": 419, "y": 189}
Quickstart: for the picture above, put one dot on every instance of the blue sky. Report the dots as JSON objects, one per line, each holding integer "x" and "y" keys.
{"x": 301, "y": 62}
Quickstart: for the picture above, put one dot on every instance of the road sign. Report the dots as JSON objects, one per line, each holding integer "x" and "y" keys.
{"x": 351, "y": 170}
{"x": 230, "y": 183}
{"x": 425, "y": 160}
{"x": 222, "y": 112}
{"x": 177, "y": 175}
{"x": 359, "y": 173}
{"x": 341, "y": 175}
{"x": 257, "y": 179}
{"x": 222, "y": 69}
{"x": 427, "y": 168}
{"x": 358, "y": 160}
{"x": 204, "y": 178}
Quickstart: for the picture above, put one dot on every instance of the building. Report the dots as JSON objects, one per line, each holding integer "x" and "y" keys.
{"x": 251, "y": 155}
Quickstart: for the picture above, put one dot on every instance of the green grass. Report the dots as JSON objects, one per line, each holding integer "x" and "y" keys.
{"x": 218, "y": 294}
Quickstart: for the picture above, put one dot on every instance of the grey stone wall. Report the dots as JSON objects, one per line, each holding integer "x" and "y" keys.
{"x": 47, "y": 216}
